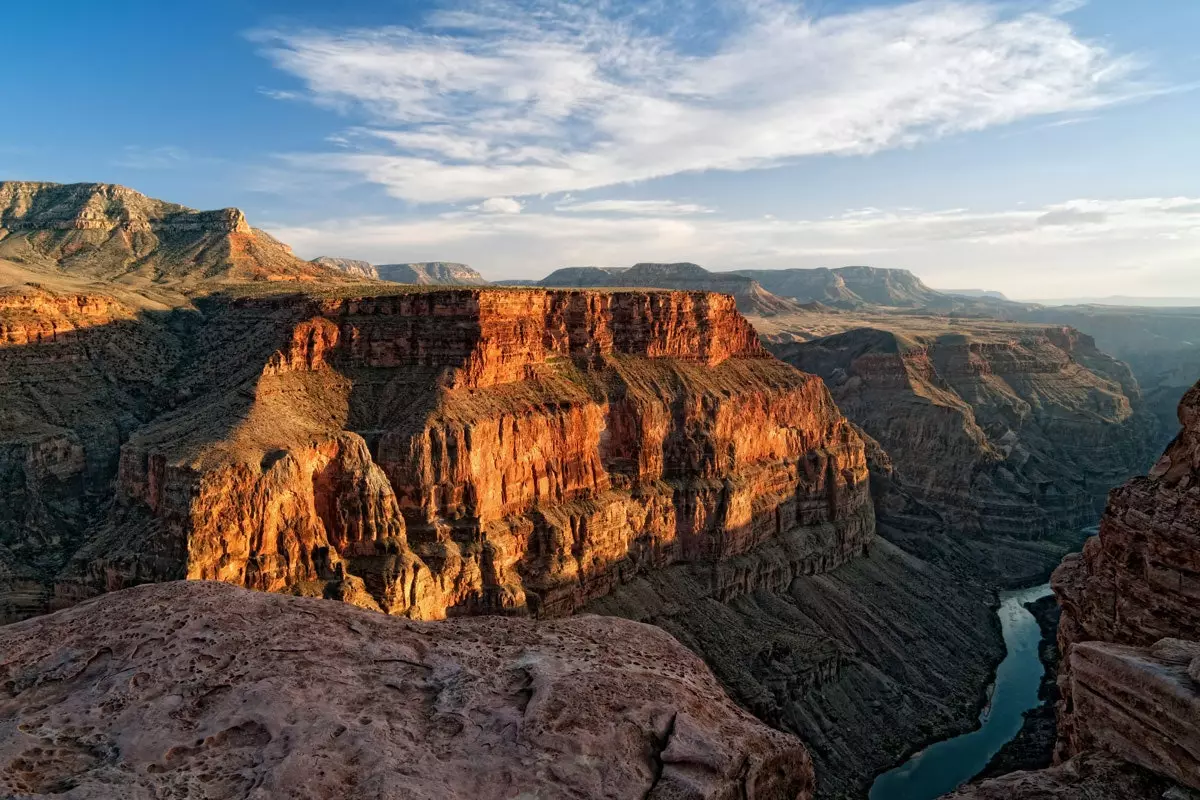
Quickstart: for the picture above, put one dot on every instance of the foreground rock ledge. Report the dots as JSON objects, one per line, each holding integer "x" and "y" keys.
{"x": 200, "y": 689}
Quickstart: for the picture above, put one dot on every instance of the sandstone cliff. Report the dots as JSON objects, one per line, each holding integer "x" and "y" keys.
{"x": 1003, "y": 439}
{"x": 200, "y": 689}
{"x": 433, "y": 453}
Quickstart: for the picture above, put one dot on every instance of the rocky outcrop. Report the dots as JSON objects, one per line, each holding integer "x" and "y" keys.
{"x": 1001, "y": 435}
{"x": 190, "y": 688}
{"x": 1127, "y": 600}
{"x": 431, "y": 273}
{"x": 97, "y": 231}
{"x": 751, "y": 297}
{"x": 511, "y": 451}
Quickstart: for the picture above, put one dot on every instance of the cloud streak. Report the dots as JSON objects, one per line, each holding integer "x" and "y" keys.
{"x": 512, "y": 99}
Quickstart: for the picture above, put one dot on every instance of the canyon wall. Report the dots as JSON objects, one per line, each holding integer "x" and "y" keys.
{"x": 193, "y": 689}
{"x": 1129, "y": 640}
{"x": 1003, "y": 440}
{"x": 1131, "y": 619}
{"x": 454, "y": 452}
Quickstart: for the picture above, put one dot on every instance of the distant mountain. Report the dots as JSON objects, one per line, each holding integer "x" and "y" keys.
{"x": 1126, "y": 301}
{"x": 751, "y": 297}
{"x": 427, "y": 273}
{"x": 423, "y": 273}
{"x": 848, "y": 287}
{"x": 981, "y": 293}
{"x": 102, "y": 232}
{"x": 362, "y": 269}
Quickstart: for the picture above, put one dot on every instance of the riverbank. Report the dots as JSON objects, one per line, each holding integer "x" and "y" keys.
{"x": 1033, "y": 747}
{"x": 943, "y": 766}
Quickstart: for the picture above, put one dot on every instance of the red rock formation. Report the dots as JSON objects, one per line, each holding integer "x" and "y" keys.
{"x": 1137, "y": 584}
{"x": 512, "y": 450}
{"x": 190, "y": 688}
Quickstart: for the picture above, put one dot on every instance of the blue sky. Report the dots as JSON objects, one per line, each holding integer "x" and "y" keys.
{"x": 1041, "y": 148}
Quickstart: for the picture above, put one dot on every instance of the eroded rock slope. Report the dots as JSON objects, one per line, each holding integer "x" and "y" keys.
{"x": 1003, "y": 438}
{"x": 197, "y": 689}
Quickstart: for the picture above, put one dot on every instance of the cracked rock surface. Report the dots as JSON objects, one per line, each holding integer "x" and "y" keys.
{"x": 202, "y": 689}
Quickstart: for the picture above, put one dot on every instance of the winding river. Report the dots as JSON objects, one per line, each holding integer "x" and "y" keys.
{"x": 943, "y": 766}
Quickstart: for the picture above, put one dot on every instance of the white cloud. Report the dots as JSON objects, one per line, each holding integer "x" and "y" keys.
{"x": 511, "y": 99}
{"x": 646, "y": 207}
{"x": 162, "y": 157}
{"x": 1135, "y": 246}
{"x": 499, "y": 205}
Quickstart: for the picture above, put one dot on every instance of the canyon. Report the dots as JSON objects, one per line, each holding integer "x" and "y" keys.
{"x": 1129, "y": 679}
{"x": 186, "y": 400}
{"x": 1003, "y": 438}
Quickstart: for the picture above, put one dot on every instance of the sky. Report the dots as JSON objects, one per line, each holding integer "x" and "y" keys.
{"x": 1043, "y": 148}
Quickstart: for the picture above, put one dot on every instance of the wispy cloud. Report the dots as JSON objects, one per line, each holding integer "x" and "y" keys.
{"x": 640, "y": 207}
{"x": 162, "y": 157}
{"x": 1142, "y": 245}
{"x": 510, "y": 99}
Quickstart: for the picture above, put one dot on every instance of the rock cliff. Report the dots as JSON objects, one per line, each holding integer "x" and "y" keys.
{"x": 1129, "y": 684}
{"x": 1005, "y": 437}
{"x": 199, "y": 689}
{"x": 447, "y": 452}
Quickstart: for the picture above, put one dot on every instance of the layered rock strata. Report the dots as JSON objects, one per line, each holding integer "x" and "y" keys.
{"x": 863, "y": 662}
{"x": 202, "y": 689}
{"x": 1003, "y": 438}
{"x": 1129, "y": 686}
{"x": 450, "y": 452}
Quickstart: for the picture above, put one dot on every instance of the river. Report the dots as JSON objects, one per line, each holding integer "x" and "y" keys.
{"x": 943, "y": 766}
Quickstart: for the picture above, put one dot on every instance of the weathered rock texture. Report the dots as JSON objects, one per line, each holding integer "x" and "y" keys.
{"x": 100, "y": 231}
{"x": 196, "y": 689}
{"x": 448, "y": 452}
{"x": 864, "y": 662}
{"x": 1128, "y": 685}
{"x": 1001, "y": 438}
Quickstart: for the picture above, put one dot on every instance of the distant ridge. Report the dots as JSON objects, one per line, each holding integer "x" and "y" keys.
{"x": 106, "y": 232}
{"x": 751, "y": 297}
{"x": 421, "y": 273}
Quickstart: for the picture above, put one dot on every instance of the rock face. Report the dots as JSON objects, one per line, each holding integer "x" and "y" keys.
{"x": 100, "y": 231}
{"x": 999, "y": 434}
{"x": 862, "y": 662}
{"x": 751, "y": 297}
{"x": 428, "y": 273}
{"x": 202, "y": 689}
{"x": 435, "y": 453}
{"x": 1129, "y": 685}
